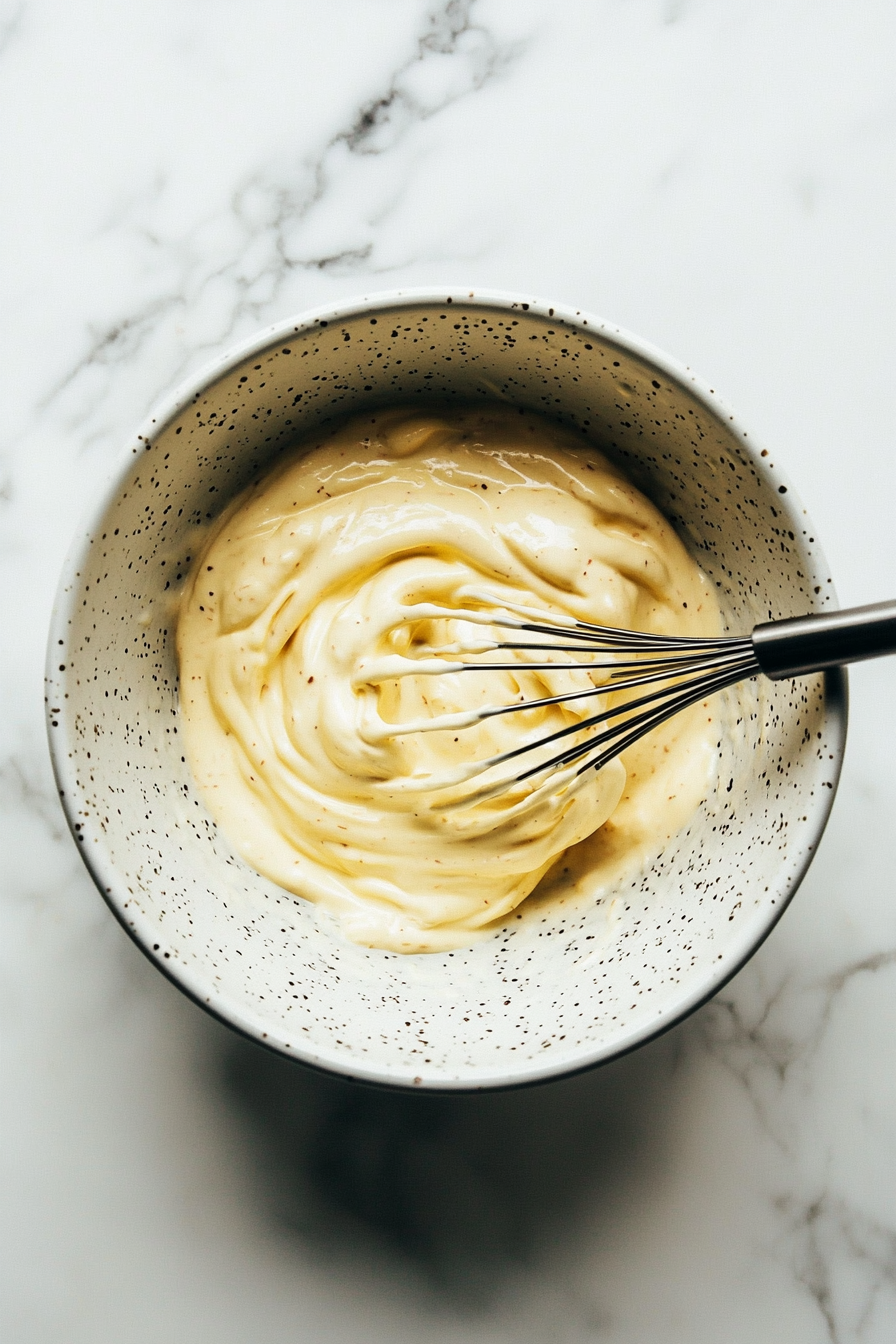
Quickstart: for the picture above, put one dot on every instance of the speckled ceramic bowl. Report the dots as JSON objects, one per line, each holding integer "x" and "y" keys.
{"x": 545, "y": 995}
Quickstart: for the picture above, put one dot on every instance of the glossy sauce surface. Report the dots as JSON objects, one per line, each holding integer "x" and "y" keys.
{"x": 315, "y": 644}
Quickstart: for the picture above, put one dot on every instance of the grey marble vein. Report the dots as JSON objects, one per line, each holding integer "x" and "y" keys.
{"x": 11, "y": 21}
{"x": 453, "y": 57}
{"x": 823, "y": 1234}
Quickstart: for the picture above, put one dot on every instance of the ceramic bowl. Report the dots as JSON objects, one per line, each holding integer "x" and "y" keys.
{"x": 541, "y": 997}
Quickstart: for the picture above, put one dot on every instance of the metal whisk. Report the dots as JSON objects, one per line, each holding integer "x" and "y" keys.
{"x": 680, "y": 672}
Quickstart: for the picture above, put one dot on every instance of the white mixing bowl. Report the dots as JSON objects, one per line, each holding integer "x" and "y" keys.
{"x": 540, "y": 997}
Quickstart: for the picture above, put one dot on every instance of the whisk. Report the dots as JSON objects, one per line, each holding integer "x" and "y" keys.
{"x": 672, "y": 672}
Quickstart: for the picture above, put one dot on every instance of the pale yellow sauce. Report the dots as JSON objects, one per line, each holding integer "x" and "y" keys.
{"x": 312, "y": 642}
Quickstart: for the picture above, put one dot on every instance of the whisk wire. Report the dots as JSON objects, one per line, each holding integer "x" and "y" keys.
{"x": 666, "y": 702}
{"x": 617, "y": 739}
{"x": 691, "y": 668}
{"x": 613, "y": 741}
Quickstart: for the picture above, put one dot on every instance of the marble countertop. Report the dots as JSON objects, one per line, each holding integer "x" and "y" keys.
{"x": 715, "y": 175}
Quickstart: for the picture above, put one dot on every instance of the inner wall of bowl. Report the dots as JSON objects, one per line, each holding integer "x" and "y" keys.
{"x": 541, "y": 996}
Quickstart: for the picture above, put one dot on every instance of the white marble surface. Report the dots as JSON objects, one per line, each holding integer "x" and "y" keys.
{"x": 717, "y": 175}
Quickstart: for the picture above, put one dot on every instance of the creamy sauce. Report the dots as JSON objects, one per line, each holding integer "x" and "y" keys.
{"x": 316, "y": 637}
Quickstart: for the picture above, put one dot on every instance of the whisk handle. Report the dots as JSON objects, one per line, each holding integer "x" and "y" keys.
{"x": 811, "y": 643}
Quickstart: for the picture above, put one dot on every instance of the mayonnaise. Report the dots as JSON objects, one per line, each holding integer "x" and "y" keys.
{"x": 315, "y": 643}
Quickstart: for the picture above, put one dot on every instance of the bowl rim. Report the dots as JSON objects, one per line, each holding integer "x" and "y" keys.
{"x": 103, "y": 871}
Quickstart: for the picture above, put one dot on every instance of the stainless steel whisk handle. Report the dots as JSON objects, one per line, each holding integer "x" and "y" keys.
{"x": 792, "y": 648}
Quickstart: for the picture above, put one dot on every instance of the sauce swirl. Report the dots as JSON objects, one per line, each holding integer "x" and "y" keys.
{"x": 306, "y": 638}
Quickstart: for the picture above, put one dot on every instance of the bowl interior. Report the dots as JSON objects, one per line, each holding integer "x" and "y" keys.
{"x": 546, "y": 994}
